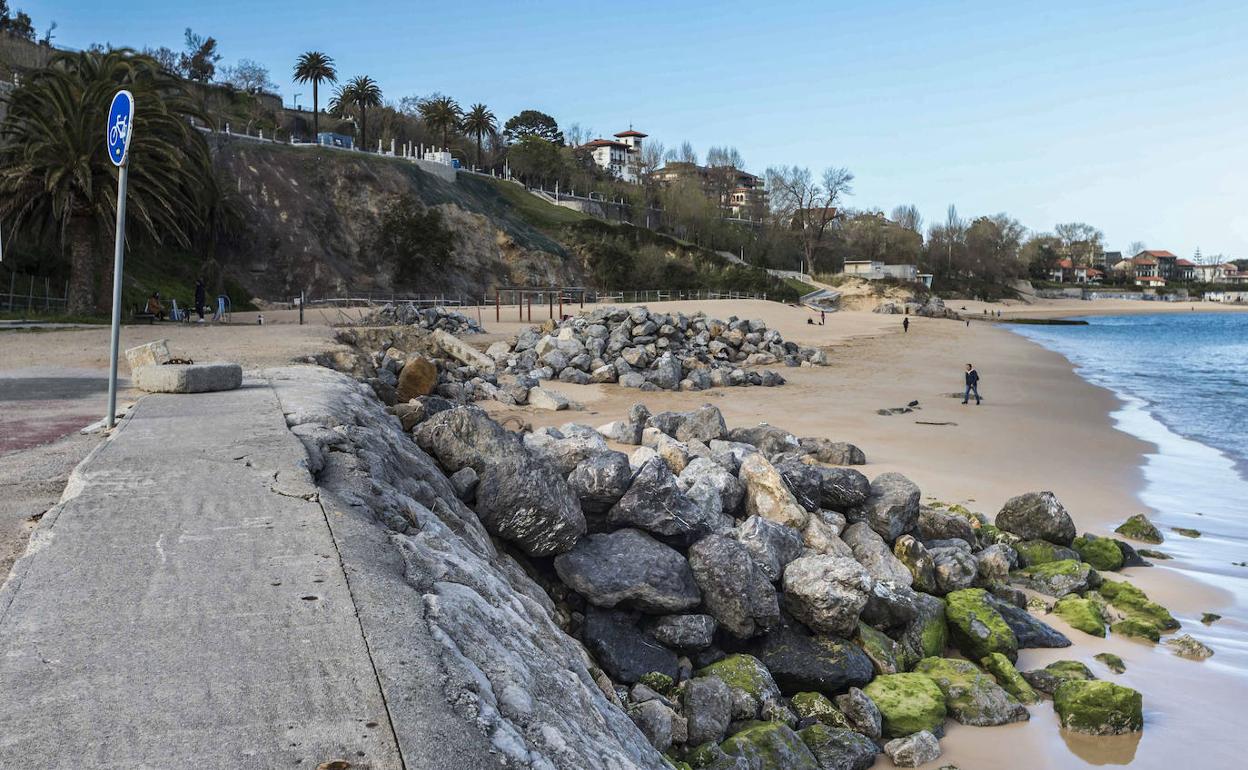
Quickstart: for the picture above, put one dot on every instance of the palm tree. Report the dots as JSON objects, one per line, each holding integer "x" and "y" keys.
{"x": 359, "y": 93}
{"x": 315, "y": 67}
{"x": 57, "y": 184}
{"x": 442, "y": 114}
{"x": 479, "y": 121}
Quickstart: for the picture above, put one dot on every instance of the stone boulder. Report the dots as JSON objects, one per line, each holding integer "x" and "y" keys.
{"x": 768, "y": 745}
{"x": 800, "y": 662}
{"x": 908, "y": 703}
{"x": 913, "y": 750}
{"x": 418, "y": 377}
{"x": 622, "y": 649}
{"x": 1029, "y": 630}
{"x": 771, "y": 545}
{"x": 600, "y": 481}
{"x": 704, "y": 470}
{"x": 837, "y": 748}
{"x": 1037, "y": 516}
{"x": 629, "y": 568}
{"x": 706, "y": 702}
{"x": 833, "y": 452}
{"x": 935, "y": 524}
{"x": 655, "y": 502}
{"x": 827, "y": 593}
{"x": 892, "y": 509}
{"x": 1057, "y": 578}
{"x": 955, "y": 569}
{"x": 767, "y": 495}
{"x": 841, "y": 489}
{"x": 861, "y": 713}
{"x": 768, "y": 439}
{"x": 971, "y": 696}
{"x": 1098, "y": 708}
{"x": 684, "y": 632}
{"x": 975, "y": 626}
{"x": 749, "y": 681}
{"x": 734, "y": 590}
{"x": 528, "y": 504}
{"x": 873, "y": 553}
{"x": 918, "y": 562}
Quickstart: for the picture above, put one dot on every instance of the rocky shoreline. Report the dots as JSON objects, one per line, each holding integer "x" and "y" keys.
{"x": 748, "y": 598}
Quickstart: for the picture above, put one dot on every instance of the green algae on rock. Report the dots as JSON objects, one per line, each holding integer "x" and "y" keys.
{"x": 1138, "y": 527}
{"x": 1101, "y": 552}
{"x": 817, "y": 706}
{"x": 908, "y": 703}
{"x": 1057, "y": 578}
{"x": 659, "y": 682}
{"x": 1144, "y": 618}
{"x": 1098, "y": 708}
{"x": 1111, "y": 661}
{"x": 1209, "y": 618}
{"x": 1186, "y": 531}
{"x": 1047, "y": 679}
{"x": 1149, "y": 553}
{"x": 1083, "y": 614}
{"x": 747, "y": 674}
{"x": 879, "y": 648}
{"x": 971, "y": 696}
{"x": 839, "y": 748}
{"x": 1033, "y": 552}
{"x": 976, "y": 628}
{"x": 1008, "y": 677}
{"x": 1189, "y": 647}
{"x": 1138, "y": 629}
{"x": 770, "y": 746}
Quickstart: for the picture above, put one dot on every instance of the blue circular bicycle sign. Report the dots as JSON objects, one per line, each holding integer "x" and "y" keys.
{"x": 120, "y": 127}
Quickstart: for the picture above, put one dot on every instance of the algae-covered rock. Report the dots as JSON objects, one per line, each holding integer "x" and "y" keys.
{"x": 1189, "y": 647}
{"x": 991, "y": 534}
{"x": 1098, "y": 708}
{"x": 1150, "y": 553}
{"x": 1033, "y": 552}
{"x": 839, "y": 749}
{"x": 918, "y": 561}
{"x": 817, "y": 706}
{"x": 1209, "y": 618}
{"x": 1101, "y": 552}
{"x": 746, "y": 675}
{"x": 1083, "y": 614}
{"x": 1057, "y": 578}
{"x": 976, "y": 628}
{"x": 659, "y": 682}
{"x": 861, "y": 712}
{"x": 770, "y": 746}
{"x": 927, "y": 634}
{"x": 1047, "y": 679}
{"x": 1008, "y": 677}
{"x": 908, "y": 703}
{"x": 1186, "y": 531}
{"x": 1111, "y": 661}
{"x": 1138, "y": 527}
{"x": 799, "y": 661}
{"x": 971, "y": 696}
{"x": 879, "y": 648}
{"x": 1144, "y": 618}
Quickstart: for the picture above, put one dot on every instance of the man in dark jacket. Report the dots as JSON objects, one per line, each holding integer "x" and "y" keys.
{"x": 972, "y": 385}
{"x": 200, "y": 298}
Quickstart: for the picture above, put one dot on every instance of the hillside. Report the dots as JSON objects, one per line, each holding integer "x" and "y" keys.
{"x": 312, "y": 216}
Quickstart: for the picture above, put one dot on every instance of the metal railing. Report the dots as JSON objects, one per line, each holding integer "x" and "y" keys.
{"x": 30, "y": 293}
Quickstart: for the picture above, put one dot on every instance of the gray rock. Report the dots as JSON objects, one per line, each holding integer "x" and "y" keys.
{"x": 734, "y": 590}
{"x": 955, "y": 569}
{"x": 874, "y": 554}
{"x": 862, "y": 713}
{"x": 918, "y": 561}
{"x": 913, "y": 750}
{"x": 804, "y": 481}
{"x": 566, "y": 453}
{"x": 972, "y": 696}
{"x": 839, "y": 749}
{"x": 684, "y": 632}
{"x": 529, "y": 504}
{"x": 464, "y": 481}
{"x": 771, "y": 545}
{"x": 1077, "y": 578}
{"x": 833, "y": 452}
{"x": 654, "y": 719}
{"x": 707, "y": 703}
{"x": 702, "y": 424}
{"x": 629, "y": 568}
{"x": 1028, "y": 629}
{"x": 768, "y": 439}
{"x": 654, "y": 502}
{"x": 995, "y": 562}
{"x": 1037, "y": 515}
{"x": 892, "y": 509}
{"x": 600, "y": 481}
{"x": 703, "y": 470}
{"x": 826, "y": 593}
{"x": 465, "y": 437}
{"x": 842, "y": 489}
{"x": 550, "y": 400}
{"x": 622, "y": 649}
{"x": 935, "y": 524}
{"x": 772, "y": 745}
{"x": 890, "y": 605}
{"x": 929, "y": 615}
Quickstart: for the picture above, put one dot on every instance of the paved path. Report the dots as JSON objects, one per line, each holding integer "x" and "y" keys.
{"x": 188, "y": 608}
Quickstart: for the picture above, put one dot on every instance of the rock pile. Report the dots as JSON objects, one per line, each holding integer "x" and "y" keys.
{"x": 430, "y": 318}
{"x": 749, "y": 594}
{"x": 932, "y": 307}
{"x": 639, "y": 348}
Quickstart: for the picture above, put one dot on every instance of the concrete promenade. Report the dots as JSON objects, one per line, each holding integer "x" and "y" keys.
{"x": 186, "y": 606}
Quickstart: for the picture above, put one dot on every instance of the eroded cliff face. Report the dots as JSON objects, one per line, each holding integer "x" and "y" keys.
{"x": 310, "y": 214}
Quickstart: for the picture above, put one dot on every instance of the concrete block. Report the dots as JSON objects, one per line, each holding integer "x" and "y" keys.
{"x": 189, "y": 378}
{"x": 541, "y": 398}
{"x": 463, "y": 352}
{"x": 151, "y": 354}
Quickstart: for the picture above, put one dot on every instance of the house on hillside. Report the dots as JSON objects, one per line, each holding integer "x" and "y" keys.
{"x": 1184, "y": 270}
{"x": 1155, "y": 263}
{"x": 620, "y": 157}
{"x": 740, "y": 194}
{"x": 874, "y": 270}
{"x": 1066, "y": 271}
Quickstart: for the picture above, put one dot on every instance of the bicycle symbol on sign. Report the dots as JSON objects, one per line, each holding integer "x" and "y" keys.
{"x": 117, "y": 132}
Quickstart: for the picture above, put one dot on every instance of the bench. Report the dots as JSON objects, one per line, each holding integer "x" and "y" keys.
{"x": 139, "y": 312}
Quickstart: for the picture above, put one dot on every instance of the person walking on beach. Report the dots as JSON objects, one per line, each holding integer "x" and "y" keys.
{"x": 822, "y": 317}
{"x": 972, "y": 385}
{"x": 905, "y": 325}
{"x": 201, "y": 297}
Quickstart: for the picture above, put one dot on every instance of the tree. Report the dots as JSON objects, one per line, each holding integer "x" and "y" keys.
{"x": 19, "y": 24}
{"x": 532, "y": 123}
{"x": 315, "y": 67}
{"x": 908, "y": 217}
{"x": 535, "y": 159}
{"x": 412, "y": 237}
{"x": 57, "y": 183}
{"x": 1081, "y": 242}
{"x": 1135, "y": 247}
{"x": 249, "y": 76}
{"x": 479, "y": 122}
{"x": 356, "y": 97}
{"x": 808, "y": 207}
{"x": 992, "y": 249}
{"x": 442, "y": 115}
{"x": 683, "y": 154}
{"x": 199, "y": 61}
{"x": 1039, "y": 253}
{"x": 166, "y": 57}
{"x": 652, "y": 154}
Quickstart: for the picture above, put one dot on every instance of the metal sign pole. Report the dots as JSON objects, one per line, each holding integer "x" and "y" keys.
{"x": 119, "y": 256}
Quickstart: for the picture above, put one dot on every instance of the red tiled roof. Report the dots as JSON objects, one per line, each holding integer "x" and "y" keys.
{"x": 1151, "y": 279}
{"x": 604, "y": 143}
{"x": 1156, "y": 253}
{"x": 1144, "y": 260}
{"x": 1185, "y": 263}
{"x": 631, "y": 132}
{"x": 1064, "y": 264}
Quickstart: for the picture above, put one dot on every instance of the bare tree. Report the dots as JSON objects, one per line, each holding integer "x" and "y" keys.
{"x": 955, "y": 231}
{"x": 808, "y": 207}
{"x": 1135, "y": 247}
{"x": 724, "y": 157}
{"x": 1080, "y": 241}
{"x": 652, "y": 155}
{"x": 576, "y": 134}
{"x": 908, "y": 216}
{"x": 683, "y": 154}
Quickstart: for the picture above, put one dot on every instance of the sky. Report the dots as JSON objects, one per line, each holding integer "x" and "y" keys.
{"x": 1131, "y": 116}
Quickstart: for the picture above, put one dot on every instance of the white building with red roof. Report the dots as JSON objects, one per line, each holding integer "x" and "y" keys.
{"x": 620, "y": 157}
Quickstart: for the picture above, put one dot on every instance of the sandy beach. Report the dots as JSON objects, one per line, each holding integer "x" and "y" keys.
{"x": 1041, "y": 427}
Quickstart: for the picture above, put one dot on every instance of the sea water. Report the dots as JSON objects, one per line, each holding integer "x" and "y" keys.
{"x": 1183, "y": 382}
